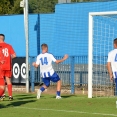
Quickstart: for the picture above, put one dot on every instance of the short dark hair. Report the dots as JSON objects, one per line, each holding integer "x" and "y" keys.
{"x": 115, "y": 41}
{"x": 44, "y": 45}
{"x": 2, "y": 35}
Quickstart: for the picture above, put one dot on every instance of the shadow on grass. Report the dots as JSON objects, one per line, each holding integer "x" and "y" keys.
{"x": 68, "y": 96}
{"x": 21, "y": 97}
{"x": 24, "y": 95}
{"x": 28, "y": 97}
{"x": 2, "y": 106}
{"x": 65, "y": 96}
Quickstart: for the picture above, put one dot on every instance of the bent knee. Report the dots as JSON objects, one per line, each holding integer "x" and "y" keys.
{"x": 8, "y": 80}
{"x": 2, "y": 87}
{"x": 47, "y": 84}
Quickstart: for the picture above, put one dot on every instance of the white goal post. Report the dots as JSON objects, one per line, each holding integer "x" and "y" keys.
{"x": 90, "y": 46}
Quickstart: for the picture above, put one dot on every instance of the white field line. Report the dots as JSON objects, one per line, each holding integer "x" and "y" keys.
{"x": 68, "y": 111}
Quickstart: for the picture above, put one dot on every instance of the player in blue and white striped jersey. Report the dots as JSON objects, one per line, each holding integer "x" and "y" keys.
{"x": 46, "y": 70}
{"x": 112, "y": 64}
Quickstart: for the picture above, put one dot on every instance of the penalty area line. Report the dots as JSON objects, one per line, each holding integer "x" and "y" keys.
{"x": 67, "y": 111}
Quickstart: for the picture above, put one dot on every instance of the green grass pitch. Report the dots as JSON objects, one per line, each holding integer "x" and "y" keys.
{"x": 26, "y": 105}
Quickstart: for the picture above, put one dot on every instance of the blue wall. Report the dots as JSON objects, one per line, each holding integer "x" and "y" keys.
{"x": 72, "y": 25}
{"x": 33, "y": 37}
{"x": 65, "y": 31}
{"x": 47, "y": 30}
{"x": 41, "y": 30}
{"x": 13, "y": 28}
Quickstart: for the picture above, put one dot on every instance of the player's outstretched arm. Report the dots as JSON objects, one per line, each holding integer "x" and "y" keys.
{"x": 110, "y": 70}
{"x": 61, "y": 60}
{"x": 35, "y": 65}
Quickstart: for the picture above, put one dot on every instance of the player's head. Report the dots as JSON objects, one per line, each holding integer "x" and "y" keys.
{"x": 115, "y": 43}
{"x": 44, "y": 48}
{"x": 2, "y": 37}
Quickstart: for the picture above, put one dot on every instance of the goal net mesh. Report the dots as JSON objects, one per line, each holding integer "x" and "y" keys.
{"x": 104, "y": 32}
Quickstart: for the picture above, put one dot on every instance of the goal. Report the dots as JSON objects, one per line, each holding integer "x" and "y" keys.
{"x": 102, "y": 32}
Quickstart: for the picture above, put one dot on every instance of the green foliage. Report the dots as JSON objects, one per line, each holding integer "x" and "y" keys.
{"x": 10, "y": 7}
{"x": 35, "y": 6}
{"x": 42, "y": 6}
{"x": 16, "y": 9}
{"x": 5, "y": 6}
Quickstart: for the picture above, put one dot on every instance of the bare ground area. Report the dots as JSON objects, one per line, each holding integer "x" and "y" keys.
{"x": 79, "y": 90}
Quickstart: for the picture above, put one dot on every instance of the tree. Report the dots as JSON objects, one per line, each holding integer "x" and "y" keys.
{"x": 16, "y": 9}
{"x": 10, "y": 7}
{"x": 35, "y": 6}
{"x": 42, "y": 6}
{"x": 5, "y": 6}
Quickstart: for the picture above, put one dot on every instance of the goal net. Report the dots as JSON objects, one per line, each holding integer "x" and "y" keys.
{"x": 102, "y": 32}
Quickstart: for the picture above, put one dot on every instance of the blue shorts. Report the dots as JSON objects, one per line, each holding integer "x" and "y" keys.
{"x": 53, "y": 78}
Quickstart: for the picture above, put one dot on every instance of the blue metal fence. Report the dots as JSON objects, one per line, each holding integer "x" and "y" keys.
{"x": 72, "y": 72}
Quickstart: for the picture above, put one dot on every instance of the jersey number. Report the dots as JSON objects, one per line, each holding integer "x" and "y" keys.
{"x": 5, "y": 52}
{"x": 44, "y": 61}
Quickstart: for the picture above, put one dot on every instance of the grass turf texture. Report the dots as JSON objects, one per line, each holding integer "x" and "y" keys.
{"x": 26, "y": 105}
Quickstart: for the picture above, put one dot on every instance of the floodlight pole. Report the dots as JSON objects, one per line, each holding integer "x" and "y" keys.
{"x": 27, "y": 43}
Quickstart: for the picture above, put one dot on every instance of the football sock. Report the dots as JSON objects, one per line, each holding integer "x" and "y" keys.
{"x": 1, "y": 92}
{"x": 58, "y": 93}
{"x": 9, "y": 86}
{"x": 116, "y": 86}
{"x": 42, "y": 89}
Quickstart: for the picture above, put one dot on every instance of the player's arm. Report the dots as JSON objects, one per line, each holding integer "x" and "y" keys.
{"x": 61, "y": 60}
{"x": 13, "y": 55}
{"x": 35, "y": 65}
{"x": 110, "y": 70}
{"x": 12, "y": 52}
{"x": 109, "y": 67}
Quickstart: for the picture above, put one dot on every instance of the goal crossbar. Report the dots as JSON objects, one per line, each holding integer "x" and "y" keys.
{"x": 103, "y": 13}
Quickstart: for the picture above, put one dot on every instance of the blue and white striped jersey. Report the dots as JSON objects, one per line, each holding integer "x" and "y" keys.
{"x": 112, "y": 57}
{"x": 45, "y": 62}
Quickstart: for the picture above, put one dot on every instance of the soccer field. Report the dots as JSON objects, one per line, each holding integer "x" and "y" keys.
{"x": 26, "y": 105}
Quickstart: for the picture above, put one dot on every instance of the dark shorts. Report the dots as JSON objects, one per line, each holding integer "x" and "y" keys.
{"x": 53, "y": 78}
{"x": 115, "y": 80}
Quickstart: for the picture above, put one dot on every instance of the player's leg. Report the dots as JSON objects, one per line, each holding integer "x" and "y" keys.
{"x": 8, "y": 75}
{"x": 2, "y": 84}
{"x": 4, "y": 96}
{"x": 55, "y": 78}
{"x": 58, "y": 88}
{"x": 2, "y": 88}
{"x": 45, "y": 86}
{"x": 115, "y": 86}
{"x": 9, "y": 87}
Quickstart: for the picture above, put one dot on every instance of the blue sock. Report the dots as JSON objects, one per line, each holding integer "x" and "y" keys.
{"x": 42, "y": 89}
{"x": 115, "y": 86}
{"x": 58, "y": 93}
